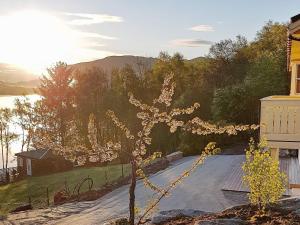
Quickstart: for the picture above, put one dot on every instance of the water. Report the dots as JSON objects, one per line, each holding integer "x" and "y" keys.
{"x": 7, "y": 101}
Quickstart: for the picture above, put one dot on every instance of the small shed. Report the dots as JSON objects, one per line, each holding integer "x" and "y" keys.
{"x": 41, "y": 162}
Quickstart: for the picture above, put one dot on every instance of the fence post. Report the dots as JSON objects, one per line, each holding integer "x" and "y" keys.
{"x": 89, "y": 183}
{"x": 122, "y": 170}
{"x": 47, "y": 192}
{"x": 29, "y": 199}
{"x": 106, "y": 178}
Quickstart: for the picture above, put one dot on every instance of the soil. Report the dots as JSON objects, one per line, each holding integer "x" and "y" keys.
{"x": 273, "y": 215}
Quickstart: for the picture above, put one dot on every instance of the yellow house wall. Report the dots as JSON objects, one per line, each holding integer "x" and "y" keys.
{"x": 295, "y": 49}
{"x": 295, "y": 60}
{"x": 294, "y": 65}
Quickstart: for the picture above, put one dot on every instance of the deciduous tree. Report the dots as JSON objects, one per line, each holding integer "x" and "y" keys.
{"x": 263, "y": 177}
{"x": 7, "y": 136}
{"x": 57, "y": 100}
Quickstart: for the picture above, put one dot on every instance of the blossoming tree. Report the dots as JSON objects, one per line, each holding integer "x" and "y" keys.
{"x": 160, "y": 111}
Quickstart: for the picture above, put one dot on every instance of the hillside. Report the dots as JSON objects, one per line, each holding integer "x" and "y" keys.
{"x": 107, "y": 64}
{"x": 17, "y": 77}
{"x": 29, "y": 84}
{"x": 139, "y": 63}
{"x": 13, "y": 89}
{"x": 12, "y": 74}
{"x": 15, "y": 81}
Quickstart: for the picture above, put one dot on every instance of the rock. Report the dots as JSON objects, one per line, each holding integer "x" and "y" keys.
{"x": 297, "y": 212}
{"x": 165, "y": 216}
{"x": 22, "y": 208}
{"x": 174, "y": 156}
{"x": 155, "y": 166}
{"x": 221, "y": 222}
{"x": 289, "y": 205}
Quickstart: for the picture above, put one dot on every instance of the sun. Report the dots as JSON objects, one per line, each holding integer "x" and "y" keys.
{"x": 35, "y": 40}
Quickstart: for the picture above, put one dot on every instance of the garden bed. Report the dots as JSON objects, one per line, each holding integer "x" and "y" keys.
{"x": 287, "y": 212}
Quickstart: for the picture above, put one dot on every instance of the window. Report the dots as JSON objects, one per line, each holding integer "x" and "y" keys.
{"x": 298, "y": 80}
{"x": 20, "y": 161}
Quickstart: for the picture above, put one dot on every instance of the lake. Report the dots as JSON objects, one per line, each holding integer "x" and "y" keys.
{"x": 7, "y": 101}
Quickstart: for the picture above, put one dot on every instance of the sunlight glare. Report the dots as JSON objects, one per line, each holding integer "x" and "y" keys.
{"x": 35, "y": 40}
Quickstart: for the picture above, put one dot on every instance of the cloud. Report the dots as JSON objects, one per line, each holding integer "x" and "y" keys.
{"x": 89, "y": 18}
{"x": 94, "y": 46}
{"x": 202, "y": 28}
{"x": 191, "y": 42}
{"x": 94, "y": 35}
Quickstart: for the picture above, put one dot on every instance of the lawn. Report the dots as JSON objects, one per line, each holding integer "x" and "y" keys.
{"x": 15, "y": 194}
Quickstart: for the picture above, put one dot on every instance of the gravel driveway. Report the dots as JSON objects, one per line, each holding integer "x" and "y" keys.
{"x": 201, "y": 191}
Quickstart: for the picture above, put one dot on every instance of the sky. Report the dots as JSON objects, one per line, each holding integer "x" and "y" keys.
{"x": 37, "y": 33}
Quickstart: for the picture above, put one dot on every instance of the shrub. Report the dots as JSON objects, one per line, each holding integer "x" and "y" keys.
{"x": 122, "y": 221}
{"x": 262, "y": 175}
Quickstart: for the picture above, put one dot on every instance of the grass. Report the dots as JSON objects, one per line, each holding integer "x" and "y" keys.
{"x": 15, "y": 194}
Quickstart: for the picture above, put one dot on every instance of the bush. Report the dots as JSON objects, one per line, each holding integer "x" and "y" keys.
{"x": 122, "y": 221}
{"x": 262, "y": 175}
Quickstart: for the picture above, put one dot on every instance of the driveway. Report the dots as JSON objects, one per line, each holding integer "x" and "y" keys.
{"x": 201, "y": 191}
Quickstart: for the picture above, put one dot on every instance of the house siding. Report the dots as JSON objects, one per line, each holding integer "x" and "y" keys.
{"x": 43, "y": 166}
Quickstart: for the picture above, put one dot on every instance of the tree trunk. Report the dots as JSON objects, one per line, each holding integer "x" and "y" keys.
{"x": 6, "y": 163}
{"x": 23, "y": 140}
{"x": 2, "y": 149}
{"x": 62, "y": 132}
{"x": 28, "y": 140}
{"x": 132, "y": 192}
{"x": 6, "y": 153}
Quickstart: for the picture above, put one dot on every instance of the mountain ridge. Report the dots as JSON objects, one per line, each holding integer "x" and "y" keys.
{"x": 108, "y": 64}
{"x": 14, "y": 76}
